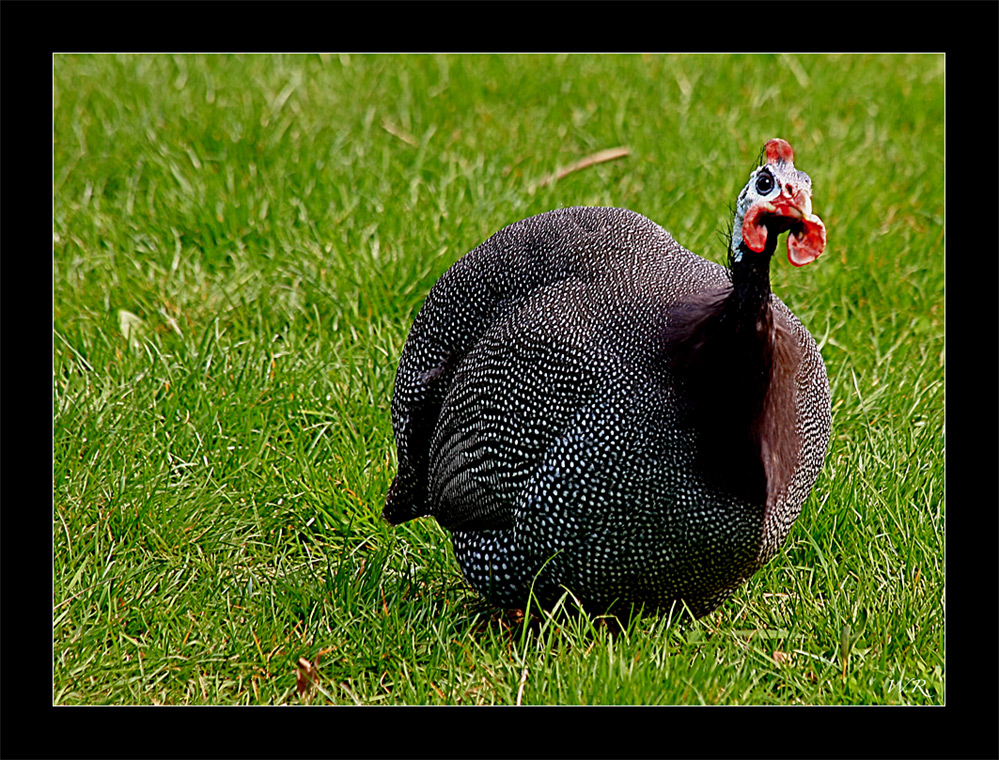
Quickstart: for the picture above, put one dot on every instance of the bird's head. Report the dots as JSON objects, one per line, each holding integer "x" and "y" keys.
{"x": 778, "y": 198}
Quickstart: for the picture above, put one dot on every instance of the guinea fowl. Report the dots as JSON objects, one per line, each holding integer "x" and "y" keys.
{"x": 589, "y": 407}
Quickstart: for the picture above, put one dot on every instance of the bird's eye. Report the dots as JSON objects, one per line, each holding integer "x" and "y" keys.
{"x": 764, "y": 183}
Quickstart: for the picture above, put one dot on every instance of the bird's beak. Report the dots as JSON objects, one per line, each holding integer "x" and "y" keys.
{"x": 795, "y": 202}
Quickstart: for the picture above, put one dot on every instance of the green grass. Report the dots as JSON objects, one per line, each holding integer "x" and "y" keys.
{"x": 273, "y": 224}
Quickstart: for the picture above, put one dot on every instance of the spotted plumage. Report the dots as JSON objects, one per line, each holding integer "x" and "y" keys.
{"x": 587, "y": 406}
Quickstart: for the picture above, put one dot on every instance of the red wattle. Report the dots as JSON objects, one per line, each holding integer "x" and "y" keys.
{"x": 754, "y": 232}
{"x": 806, "y": 241}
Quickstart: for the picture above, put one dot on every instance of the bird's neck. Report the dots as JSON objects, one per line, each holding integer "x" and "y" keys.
{"x": 748, "y": 309}
{"x": 728, "y": 367}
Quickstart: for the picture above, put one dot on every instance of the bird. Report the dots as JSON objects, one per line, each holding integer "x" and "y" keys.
{"x": 588, "y": 408}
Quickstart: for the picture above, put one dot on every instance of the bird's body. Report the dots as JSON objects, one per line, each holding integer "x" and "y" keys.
{"x": 588, "y": 406}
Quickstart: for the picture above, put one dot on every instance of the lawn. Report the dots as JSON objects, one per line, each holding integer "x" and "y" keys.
{"x": 240, "y": 246}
